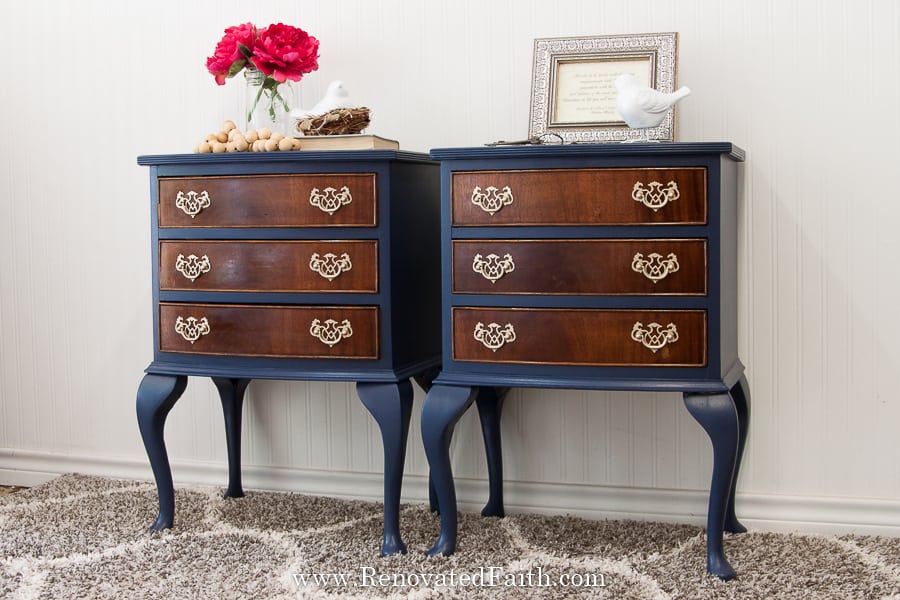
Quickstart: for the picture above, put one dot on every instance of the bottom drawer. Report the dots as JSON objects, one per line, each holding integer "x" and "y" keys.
{"x": 580, "y": 336}
{"x": 275, "y": 331}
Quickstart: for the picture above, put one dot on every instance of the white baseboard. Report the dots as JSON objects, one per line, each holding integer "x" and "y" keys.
{"x": 765, "y": 512}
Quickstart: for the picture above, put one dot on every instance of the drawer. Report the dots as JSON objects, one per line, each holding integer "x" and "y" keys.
{"x": 580, "y": 336}
{"x": 269, "y": 266}
{"x": 269, "y": 331}
{"x": 580, "y": 197}
{"x": 628, "y": 266}
{"x": 346, "y": 200}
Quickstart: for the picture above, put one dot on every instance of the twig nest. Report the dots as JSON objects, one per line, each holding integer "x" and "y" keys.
{"x": 340, "y": 121}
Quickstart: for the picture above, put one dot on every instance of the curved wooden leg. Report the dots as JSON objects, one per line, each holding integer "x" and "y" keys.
{"x": 442, "y": 408}
{"x": 391, "y": 406}
{"x": 425, "y": 380}
{"x": 718, "y": 416}
{"x": 489, "y": 402}
{"x": 740, "y": 393}
{"x": 156, "y": 396}
{"x": 231, "y": 392}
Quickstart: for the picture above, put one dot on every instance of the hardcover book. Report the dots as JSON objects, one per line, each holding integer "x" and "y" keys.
{"x": 355, "y": 141}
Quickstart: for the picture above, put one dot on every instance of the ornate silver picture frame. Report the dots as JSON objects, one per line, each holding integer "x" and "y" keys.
{"x": 573, "y": 95}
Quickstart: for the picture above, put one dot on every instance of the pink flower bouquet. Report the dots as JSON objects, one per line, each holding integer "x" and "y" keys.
{"x": 279, "y": 52}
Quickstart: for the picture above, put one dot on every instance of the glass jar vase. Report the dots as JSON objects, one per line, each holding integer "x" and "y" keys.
{"x": 267, "y": 103}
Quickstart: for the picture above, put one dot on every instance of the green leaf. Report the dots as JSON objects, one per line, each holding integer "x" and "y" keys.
{"x": 236, "y": 67}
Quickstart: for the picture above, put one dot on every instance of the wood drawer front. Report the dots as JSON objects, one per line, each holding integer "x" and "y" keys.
{"x": 580, "y": 336}
{"x": 639, "y": 267}
{"x": 269, "y": 266}
{"x": 268, "y": 201}
{"x": 580, "y": 197}
{"x": 269, "y": 331}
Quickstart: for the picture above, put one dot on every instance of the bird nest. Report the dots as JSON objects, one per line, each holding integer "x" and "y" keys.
{"x": 340, "y": 121}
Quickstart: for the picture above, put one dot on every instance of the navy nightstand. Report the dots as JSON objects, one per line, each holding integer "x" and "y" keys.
{"x": 293, "y": 265}
{"x": 608, "y": 267}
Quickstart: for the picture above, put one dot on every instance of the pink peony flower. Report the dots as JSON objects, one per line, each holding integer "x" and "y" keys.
{"x": 284, "y": 52}
{"x": 232, "y": 52}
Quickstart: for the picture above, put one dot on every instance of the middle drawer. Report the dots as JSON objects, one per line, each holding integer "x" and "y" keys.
{"x": 627, "y": 266}
{"x": 269, "y": 266}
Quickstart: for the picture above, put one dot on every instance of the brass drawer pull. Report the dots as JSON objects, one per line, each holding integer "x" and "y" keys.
{"x": 654, "y": 196}
{"x": 492, "y": 199}
{"x": 330, "y": 199}
{"x": 494, "y": 336}
{"x": 331, "y": 332}
{"x": 331, "y": 265}
{"x": 493, "y": 267}
{"x": 193, "y": 266}
{"x": 655, "y": 267}
{"x": 192, "y": 203}
{"x": 654, "y": 337}
{"x": 191, "y": 329}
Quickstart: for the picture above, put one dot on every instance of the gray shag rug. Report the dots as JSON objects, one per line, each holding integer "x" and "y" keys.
{"x": 86, "y": 537}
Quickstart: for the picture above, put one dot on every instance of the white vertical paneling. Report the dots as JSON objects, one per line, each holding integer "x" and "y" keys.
{"x": 298, "y": 419}
{"x": 599, "y": 449}
{"x": 809, "y": 89}
{"x": 666, "y": 463}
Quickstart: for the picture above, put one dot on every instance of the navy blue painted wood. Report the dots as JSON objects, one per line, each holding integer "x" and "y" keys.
{"x": 443, "y": 407}
{"x": 716, "y": 393}
{"x": 231, "y": 393}
{"x": 406, "y": 230}
{"x": 391, "y": 406}
{"x": 156, "y": 396}
{"x": 489, "y": 402}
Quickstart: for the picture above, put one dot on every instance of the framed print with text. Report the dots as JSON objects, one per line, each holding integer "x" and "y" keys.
{"x": 573, "y": 94}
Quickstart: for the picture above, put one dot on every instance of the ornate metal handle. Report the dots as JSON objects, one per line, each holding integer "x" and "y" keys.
{"x": 654, "y": 196}
{"x": 494, "y": 336}
{"x": 331, "y": 332}
{"x": 654, "y": 267}
{"x": 654, "y": 336}
{"x": 330, "y": 265}
{"x": 193, "y": 266}
{"x": 330, "y": 199}
{"x": 191, "y": 329}
{"x": 493, "y": 267}
{"x": 492, "y": 199}
{"x": 192, "y": 203}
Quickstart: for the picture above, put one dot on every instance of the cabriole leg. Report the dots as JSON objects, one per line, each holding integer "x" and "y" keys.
{"x": 231, "y": 392}
{"x": 442, "y": 409}
{"x": 391, "y": 406}
{"x": 156, "y": 396}
{"x": 740, "y": 393}
{"x": 718, "y": 416}
{"x": 489, "y": 402}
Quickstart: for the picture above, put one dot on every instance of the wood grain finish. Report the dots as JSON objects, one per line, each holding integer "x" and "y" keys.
{"x": 269, "y": 201}
{"x": 270, "y": 331}
{"x": 579, "y": 337}
{"x": 579, "y": 197}
{"x": 578, "y": 266}
{"x": 271, "y": 266}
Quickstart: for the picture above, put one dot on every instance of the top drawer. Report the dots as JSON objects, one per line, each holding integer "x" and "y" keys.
{"x": 580, "y": 197}
{"x": 268, "y": 201}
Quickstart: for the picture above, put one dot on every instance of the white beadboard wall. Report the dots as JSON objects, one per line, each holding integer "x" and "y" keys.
{"x": 811, "y": 89}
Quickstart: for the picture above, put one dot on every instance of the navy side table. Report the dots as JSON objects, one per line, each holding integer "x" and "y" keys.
{"x": 607, "y": 267}
{"x": 293, "y": 265}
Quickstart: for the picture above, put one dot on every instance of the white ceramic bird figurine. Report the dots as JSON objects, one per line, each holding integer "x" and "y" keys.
{"x": 336, "y": 96}
{"x": 641, "y": 106}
